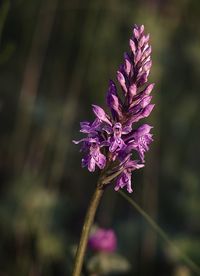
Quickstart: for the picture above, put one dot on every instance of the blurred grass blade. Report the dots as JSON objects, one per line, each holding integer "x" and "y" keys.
{"x": 4, "y": 8}
{"x": 31, "y": 79}
{"x": 195, "y": 268}
{"x": 71, "y": 102}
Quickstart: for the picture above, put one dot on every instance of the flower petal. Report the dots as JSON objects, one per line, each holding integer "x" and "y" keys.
{"x": 79, "y": 141}
{"x": 146, "y": 112}
{"x": 127, "y": 64}
{"x": 149, "y": 88}
{"x": 100, "y": 113}
{"x": 126, "y": 129}
{"x": 142, "y": 130}
{"x": 101, "y": 162}
{"x": 122, "y": 81}
{"x": 132, "y": 46}
{"x": 108, "y": 129}
{"x": 91, "y": 164}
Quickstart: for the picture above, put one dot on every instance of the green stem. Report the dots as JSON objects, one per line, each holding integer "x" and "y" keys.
{"x": 89, "y": 218}
{"x": 162, "y": 234}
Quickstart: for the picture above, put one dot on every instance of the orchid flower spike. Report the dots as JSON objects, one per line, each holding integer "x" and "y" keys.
{"x": 115, "y": 137}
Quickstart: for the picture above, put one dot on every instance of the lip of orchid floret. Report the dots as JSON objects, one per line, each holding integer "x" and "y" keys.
{"x": 114, "y": 137}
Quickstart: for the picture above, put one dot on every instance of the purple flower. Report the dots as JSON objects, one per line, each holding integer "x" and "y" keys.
{"x": 90, "y": 128}
{"x": 124, "y": 179}
{"x": 94, "y": 156}
{"x": 117, "y": 133}
{"x": 101, "y": 114}
{"x": 140, "y": 140}
{"x": 103, "y": 240}
{"x": 116, "y": 143}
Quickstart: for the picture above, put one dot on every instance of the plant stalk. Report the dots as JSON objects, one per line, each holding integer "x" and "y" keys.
{"x": 89, "y": 218}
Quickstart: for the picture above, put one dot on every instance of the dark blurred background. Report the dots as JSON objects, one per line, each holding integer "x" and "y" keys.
{"x": 56, "y": 58}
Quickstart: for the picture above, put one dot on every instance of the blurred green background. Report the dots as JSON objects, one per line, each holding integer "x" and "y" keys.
{"x": 56, "y": 58}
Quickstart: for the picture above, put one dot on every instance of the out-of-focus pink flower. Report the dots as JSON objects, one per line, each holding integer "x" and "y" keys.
{"x": 103, "y": 240}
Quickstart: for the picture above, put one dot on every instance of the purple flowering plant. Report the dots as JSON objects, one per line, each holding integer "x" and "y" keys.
{"x": 112, "y": 140}
{"x": 116, "y": 143}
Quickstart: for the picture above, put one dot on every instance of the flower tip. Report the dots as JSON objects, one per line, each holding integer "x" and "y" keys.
{"x": 145, "y": 101}
{"x": 148, "y": 110}
{"x": 145, "y": 127}
{"x": 138, "y": 30}
{"x": 120, "y": 77}
{"x": 122, "y": 81}
{"x": 98, "y": 111}
{"x": 75, "y": 142}
{"x": 111, "y": 83}
{"x": 116, "y": 188}
{"x": 101, "y": 114}
{"x": 149, "y": 88}
{"x": 135, "y": 26}
{"x": 132, "y": 46}
{"x": 141, "y": 28}
{"x": 129, "y": 190}
{"x": 126, "y": 56}
{"x": 95, "y": 106}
